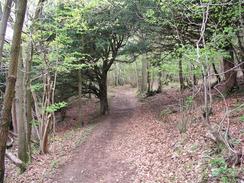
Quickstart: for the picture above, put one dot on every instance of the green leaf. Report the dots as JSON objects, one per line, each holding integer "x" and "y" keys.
{"x": 55, "y": 107}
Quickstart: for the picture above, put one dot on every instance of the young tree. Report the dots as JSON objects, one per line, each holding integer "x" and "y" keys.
{"x": 27, "y": 75}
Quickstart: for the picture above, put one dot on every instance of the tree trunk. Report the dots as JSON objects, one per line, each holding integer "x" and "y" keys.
{"x": 193, "y": 76}
{"x": 14, "y": 119}
{"x": 104, "y": 109}
{"x": 22, "y": 126}
{"x": 181, "y": 77}
{"x": 117, "y": 75}
{"x": 144, "y": 76}
{"x": 216, "y": 73}
{"x": 28, "y": 95}
{"x": 3, "y": 25}
{"x": 44, "y": 140}
{"x": 104, "y": 105}
{"x": 46, "y": 101}
{"x": 15, "y": 160}
{"x": 230, "y": 74}
{"x": 149, "y": 77}
{"x": 80, "y": 121}
{"x": 240, "y": 36}
{"x": 152, "y": 79}
{"x": 10, "y": 86}
{"x": 240, "y": 54}
{"x": 90, "y": 94}
{"x": 137, "y": 75}
{"x": 159, "y": 90}
{"x": 217, "y": 76}
{"x": 242, "y": 65}
{"x": 195, "y": 82}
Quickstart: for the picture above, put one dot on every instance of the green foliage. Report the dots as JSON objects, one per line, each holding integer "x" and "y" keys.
{"x": 54, "y": 164}
{"x": 55, "y": 107}
{"x": 37, "y": 87}
{"x": 220, "y": 169}
{"x": 242, "y": 118}
{"x": 35, "y": 122}
{"x": 76, "y": 36}
{"x": 165, "y": 112}
{"x": 79, "y": 34}
{"x": 188, "y": 102}
{"x": 67, "y": 67}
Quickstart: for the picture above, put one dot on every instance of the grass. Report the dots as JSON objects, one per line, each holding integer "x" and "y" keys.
{"x": 221, "y": 171}
{"x": 87, "y": 131}
{"x": 165, "y": 112}
{"x": 54, "y": 164}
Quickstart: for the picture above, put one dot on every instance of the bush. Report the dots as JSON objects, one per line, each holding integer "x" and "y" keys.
{"x": 221, "y": 171}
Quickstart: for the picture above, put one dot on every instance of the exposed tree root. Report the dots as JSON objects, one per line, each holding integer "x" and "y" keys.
{"x": 16, "y": 161}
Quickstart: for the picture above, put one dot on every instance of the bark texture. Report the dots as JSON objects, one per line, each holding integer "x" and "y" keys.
{"x": 159, "y": 90}
{"x": 230, "y": 73}
{"x": 28, "y": 96}
{"x": 216, "y": 73}
{"x": 181, "y": 77}
{"x": 22, "y": 126}
{"x": 104, "y": 109}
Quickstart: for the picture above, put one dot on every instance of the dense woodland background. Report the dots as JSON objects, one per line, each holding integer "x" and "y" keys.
{"x": 55, "y": 52}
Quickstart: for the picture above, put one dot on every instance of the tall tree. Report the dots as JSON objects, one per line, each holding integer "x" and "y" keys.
{"x": 94, "y": 39}
{"x": 20, "y": 115}
{"x": 11, "y": 79}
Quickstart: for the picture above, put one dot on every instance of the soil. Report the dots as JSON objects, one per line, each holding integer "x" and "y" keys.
{"x": 146, "y": 141}
{"x": 98, "y": 159}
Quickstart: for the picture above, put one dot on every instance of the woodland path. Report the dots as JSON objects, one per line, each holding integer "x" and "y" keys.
{"x": 99, "y": 158}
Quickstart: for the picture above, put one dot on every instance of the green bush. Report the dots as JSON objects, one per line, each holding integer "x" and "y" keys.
{"x": 221, "y": 171}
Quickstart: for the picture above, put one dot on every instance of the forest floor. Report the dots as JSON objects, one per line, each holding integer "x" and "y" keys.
{"x": 149, "y": 140}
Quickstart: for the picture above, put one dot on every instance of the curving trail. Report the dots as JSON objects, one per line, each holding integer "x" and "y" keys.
{"x": 99, "y": 158}
{"x": 133, "y": 145}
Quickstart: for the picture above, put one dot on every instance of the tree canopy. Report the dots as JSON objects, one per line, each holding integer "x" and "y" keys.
{"x": 61, "y": 49}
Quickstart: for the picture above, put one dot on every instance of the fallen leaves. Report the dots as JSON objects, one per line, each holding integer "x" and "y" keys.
{"x": 143, "y": 139}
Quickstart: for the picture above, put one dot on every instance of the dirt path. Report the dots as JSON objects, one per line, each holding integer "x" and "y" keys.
{"x": 136, "y": 143}
{"x": 99, "y": 158}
